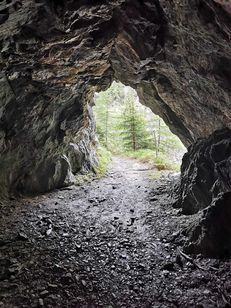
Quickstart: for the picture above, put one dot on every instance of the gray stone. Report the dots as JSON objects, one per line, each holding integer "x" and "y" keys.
{"x": 176, "y": 56}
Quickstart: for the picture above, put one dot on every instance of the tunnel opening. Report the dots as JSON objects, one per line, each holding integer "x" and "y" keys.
{"x": 124, "y": 240}
{"x": 127, "y": 128}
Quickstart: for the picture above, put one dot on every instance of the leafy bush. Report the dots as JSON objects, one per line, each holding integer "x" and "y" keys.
{"x": 163, "y": 163}
{"x": 104, "y": 160}
{"x": 147, "y": 155}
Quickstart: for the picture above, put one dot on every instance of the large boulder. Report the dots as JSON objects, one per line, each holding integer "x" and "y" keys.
{"x": 205, "y": 188}
{"x": 211, "y": 235}
{"x": 205, "y": 172}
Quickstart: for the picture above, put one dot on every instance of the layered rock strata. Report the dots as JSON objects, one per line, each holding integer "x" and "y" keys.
{"x": 205, "y": 189}
{"x": 205, "y": 172}
{"x": 55, "y": 54}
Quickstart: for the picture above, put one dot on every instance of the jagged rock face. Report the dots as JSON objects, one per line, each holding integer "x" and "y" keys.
{"x": 205, "y": 172}
{"x": 55, "y": 54}
{"x": 206, "y": 188}
{"x": 212, "y": 233}
{"x": 226, "y": 4}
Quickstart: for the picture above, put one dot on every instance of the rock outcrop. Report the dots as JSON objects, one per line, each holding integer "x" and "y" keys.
{"x": 205, "y": 189}
{"x": 226, "y": 4}
{"x": 211, "y": 234}
{"x": 205, "y": 172}
{"x": 55, "y": 54}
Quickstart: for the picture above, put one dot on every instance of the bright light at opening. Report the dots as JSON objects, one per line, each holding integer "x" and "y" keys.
{"x": 124, "y": 126}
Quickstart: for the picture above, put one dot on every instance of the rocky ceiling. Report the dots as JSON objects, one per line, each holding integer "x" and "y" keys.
{"x": 177, "y": 54}
{"x": 55, "y": 54}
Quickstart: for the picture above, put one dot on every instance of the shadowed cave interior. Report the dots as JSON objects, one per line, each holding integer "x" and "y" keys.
{"x": 177, "y": 56}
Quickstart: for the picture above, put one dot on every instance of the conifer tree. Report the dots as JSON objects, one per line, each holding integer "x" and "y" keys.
{"x": 132, "y": 126}
{"x": 105, "y": 102}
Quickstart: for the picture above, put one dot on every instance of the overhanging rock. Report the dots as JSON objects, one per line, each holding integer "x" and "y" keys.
{"x": 56, "y": 54}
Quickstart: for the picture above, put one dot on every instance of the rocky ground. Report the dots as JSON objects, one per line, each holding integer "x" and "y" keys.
{"x": 115, "y": 242}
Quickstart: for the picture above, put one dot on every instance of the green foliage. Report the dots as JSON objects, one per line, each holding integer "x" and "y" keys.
{"x": 107, "y": 106}
{"x": 125, "y": 126}
{"x": 148, "y": 156}
{"x": 104, "y": 160}
{"x": 144, "y": 155}
{"x": 162, "y": 163}
{"x": 132, "y": 126}
{"x": 82, "y": 179}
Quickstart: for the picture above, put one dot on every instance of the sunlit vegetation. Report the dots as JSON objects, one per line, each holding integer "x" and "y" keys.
{"x": 104, "y": 156}
{"x": 127, "y": 128}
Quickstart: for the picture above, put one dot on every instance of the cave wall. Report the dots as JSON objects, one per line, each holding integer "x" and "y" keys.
{"x": 205, "y": 172}
{"x": 210, "y": 234}
{"x": 55, "y": 54}
{"x": 205, "y": 192}
{"x": 182, "y": 68}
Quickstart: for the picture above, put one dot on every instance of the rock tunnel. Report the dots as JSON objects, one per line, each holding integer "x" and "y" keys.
{"x": 176, "y": 54}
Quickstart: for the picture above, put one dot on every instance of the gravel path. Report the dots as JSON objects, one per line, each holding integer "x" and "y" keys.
{"x": 113, "y": 242}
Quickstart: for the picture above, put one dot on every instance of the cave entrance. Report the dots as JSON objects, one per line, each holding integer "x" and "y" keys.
{"x": 129, "y": 129}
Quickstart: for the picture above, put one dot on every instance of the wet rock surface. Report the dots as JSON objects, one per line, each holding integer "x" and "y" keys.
{"x": 211, "y": 236}
{"x": 205, "y": 172}
{"x": 116, "y": 242}
{"x": 56, "y": 54}
{"x": 205, "y": 187}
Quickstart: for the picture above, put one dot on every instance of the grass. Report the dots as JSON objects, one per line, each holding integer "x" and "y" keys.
{"x": 161, "y": 163}
{"x": 143, "y": 155}
{"x": 148, "y": 156}
{"x": 104, "y": 160}
{"x": 82, "y": 179}
{"x": 156, "y": 175}
{"x": 104, "y": 157}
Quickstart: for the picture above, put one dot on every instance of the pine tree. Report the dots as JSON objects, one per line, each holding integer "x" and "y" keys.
{"x": 123, "y": 124}
{"x": 164, "y": 141}
{"x": 105, "y": 102}
{"x": 133, "y": 126}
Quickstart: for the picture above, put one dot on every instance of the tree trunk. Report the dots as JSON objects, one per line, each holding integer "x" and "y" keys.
{"x": 158, "y": 143}
{"x": 106, "y": 126}
{"x": 133, "y": 128}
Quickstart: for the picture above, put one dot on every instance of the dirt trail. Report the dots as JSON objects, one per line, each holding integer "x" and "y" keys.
{"x": 111, "y": 243}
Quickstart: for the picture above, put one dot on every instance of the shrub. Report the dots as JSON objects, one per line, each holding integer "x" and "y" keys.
{"x": 104, "y": 160}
